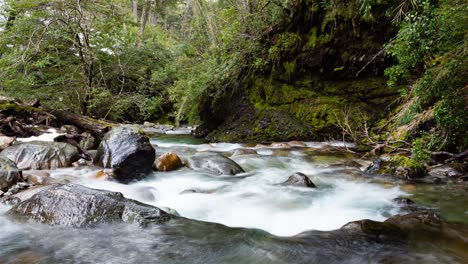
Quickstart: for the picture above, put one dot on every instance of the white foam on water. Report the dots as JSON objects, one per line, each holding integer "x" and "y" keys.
{"x": 49, "y": 136}
{"x": 256, "y": 200}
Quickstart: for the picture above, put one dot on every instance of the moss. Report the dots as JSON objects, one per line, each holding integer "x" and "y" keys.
{"x": 15, "y": 109}
{"x": 407, "y": 167}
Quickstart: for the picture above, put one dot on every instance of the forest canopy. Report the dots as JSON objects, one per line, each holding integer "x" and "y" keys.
{"x": 193, "y": 61}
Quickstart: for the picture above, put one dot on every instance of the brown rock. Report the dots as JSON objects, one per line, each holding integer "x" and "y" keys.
{"x": 168, "y": 162}
{"x": 5, "y": 142}
{"x": 36, "y": 177}
{"x": 279, "y": 145}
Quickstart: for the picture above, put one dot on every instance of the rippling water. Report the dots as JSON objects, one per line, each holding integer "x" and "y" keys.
{"x": 253, "y": 200}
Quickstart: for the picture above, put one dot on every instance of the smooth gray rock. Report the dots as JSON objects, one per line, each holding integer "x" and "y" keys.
{"x": 215, "y": 163}
{"x": 40, "y": 155}
{"x": 79, "y": 206}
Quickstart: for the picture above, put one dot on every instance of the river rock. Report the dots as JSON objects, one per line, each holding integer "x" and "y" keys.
{"x": 444, "y": 171}
{"x": 215, "y": 163}
{"x": 279, "y": 145}
{"x": 296, "y": 143}
{"x": 39, "y": 155}
{"x": 168, "y": 162}
{"x": 300, "y": 180}
{"x": 416, "y": 220}
{"x": 79, "y": 206}
{"x": 5, "y": 142}
{"x": 240, "y": 152}
{"x": 127, "y": 152}
{"x": 88, "y": 141}
{"x": 69, "y": 129}
{"x": 9, "y": 174}
{"x": 36, "y": 177}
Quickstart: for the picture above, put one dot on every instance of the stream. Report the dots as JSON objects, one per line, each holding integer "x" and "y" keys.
{"x": 247, "y": 218}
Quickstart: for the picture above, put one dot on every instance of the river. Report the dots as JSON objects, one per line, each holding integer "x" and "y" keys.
{"x": 247, "y": 218}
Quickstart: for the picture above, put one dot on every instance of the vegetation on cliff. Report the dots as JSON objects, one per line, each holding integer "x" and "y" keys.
{"x": 388, "y": 74}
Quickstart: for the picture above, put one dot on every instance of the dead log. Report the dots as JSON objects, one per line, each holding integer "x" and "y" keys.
{"x": 94, "y": 126}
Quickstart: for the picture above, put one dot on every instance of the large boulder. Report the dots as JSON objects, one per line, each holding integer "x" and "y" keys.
{"x": 79, "y": 206}
{"x": 9, "y": 174}
{"x": 40, "y": 155}
{"x": 127, "y": 152}
{"x": 168, "y": 162}
{"x": 215, "y": 163}
{"x": 300, "y": 180}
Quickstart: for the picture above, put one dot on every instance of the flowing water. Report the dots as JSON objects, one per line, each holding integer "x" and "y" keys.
{"x": 247, "y": 218}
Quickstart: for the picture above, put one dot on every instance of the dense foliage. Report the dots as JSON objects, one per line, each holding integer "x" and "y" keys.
{"x": 195, "y": 60}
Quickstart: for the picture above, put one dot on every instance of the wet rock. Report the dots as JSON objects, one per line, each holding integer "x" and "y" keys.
{"x": 127, "y": 152}
{"x": 403, "y": 201}
{"x": 17, "y": 188}
{"x": 168, "y": 162}
{"x": 5, "y": 142}
{"x": 88, "y": 141}
{"x": 416, "y": 220}
{"x": 91, "y": 154}
{"x": 36, "y": 177}
{"x": 78, "y": 206}
{"x": 375, "y": 166}
{"x": 215, "y": 163}
{"x": 69, "y": 129}
{"x": 170, "y": 211}
{"x": 296, "y": 143}
{"x": 9, "y": 174}
{"x": 240, "y": 152}
{"x": 279, "y": 145}
{"x": 380, "y": 231}
{"x": 300, "y": 180}
{"x": 408, "y": 205}
{"x": 29, "y": 192}
{"x": 39, "y": 155}
{"x": 444, "y": 171}
{"x": 80, "y": 163}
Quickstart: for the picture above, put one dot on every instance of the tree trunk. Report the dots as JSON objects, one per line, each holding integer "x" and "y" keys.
{"x": 135, "y": 10}
{"x": 143, "y": 20}
{"x": 96, "y": 127}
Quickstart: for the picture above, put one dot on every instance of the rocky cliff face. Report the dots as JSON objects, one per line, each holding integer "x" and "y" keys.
{"x": 320, "y": 61}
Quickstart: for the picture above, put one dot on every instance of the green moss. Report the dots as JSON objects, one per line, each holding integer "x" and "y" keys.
{"x": 16, "y": 109}
{"x": 410, "y": 166}
{"x": 312, "y": 39}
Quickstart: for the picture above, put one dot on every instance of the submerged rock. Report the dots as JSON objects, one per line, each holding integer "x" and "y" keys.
{"x": 79, "y": 206}
{"x": 239, "y": 152}
{"x": 168, "y": 162}
{"x": 127, "y": 152}
{"x": 9, "y": 174}
{"x": 300, "y": 180}
{"x": 39, "y": 155}
{"x": 36, "y": 177}
{"x": 215, "y": 163}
